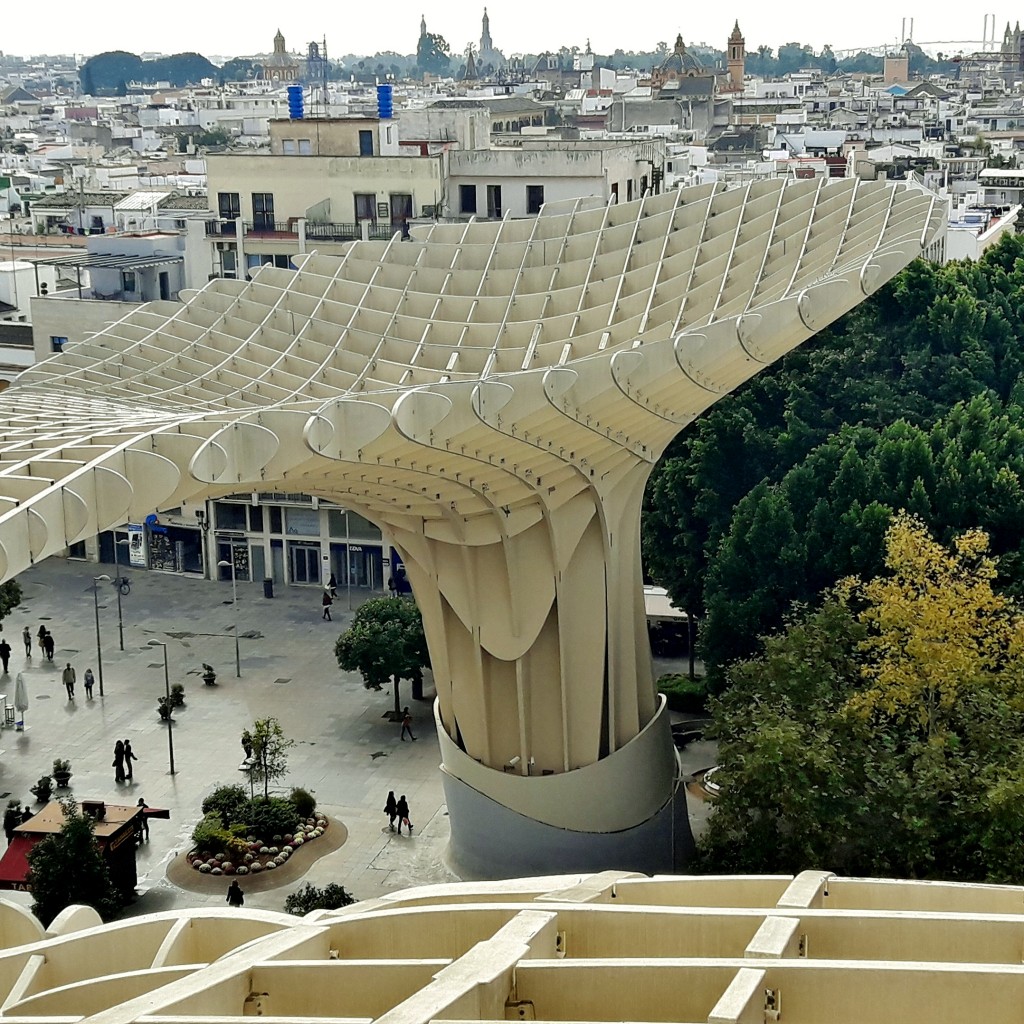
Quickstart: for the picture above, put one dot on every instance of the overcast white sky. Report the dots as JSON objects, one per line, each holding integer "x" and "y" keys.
{"x": 526, "y": 25}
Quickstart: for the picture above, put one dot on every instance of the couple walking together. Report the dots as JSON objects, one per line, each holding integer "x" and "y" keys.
{"x": 397, "y": 809}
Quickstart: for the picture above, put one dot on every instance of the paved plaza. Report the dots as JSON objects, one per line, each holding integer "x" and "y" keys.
{"x": 288, "y": 670}
{"x": 346, "y": 751}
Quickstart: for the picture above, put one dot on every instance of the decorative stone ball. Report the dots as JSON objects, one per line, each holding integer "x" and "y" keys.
{"x": 298, "y": 841}
{"x": 248, "y": 858}
{"x": 270, "y": 865}
{"x": 254, "y": 846}
{"x": 212, "y": 862}
{"x": 286, "y": 852}
{"x": 204, "y": 868}
{"x": 309, "y": 821}
{"x": 242, "y": 870}
{"x": 217, "y": 871}
{"x": 273, "y": 851}
{"x": 228, "y": 868}
{"x": 277, "y": 839}
{"x": 219, "y": 858}
{"x": 321, "y": 823}
{"x": 288, "y": 838}
{"x": 264, "y": 850}
{"x": 199, "y": 864}
{"x": 280, "y": 859}
{"x": 256, "y": 867}
{"x": 205, "y": 855}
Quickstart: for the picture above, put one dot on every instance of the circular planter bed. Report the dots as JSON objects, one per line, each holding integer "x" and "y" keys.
{"x": 198, "y": 871}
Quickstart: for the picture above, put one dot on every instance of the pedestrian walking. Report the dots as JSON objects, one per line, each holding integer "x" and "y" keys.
{"x": 5, "y": 652}
{"x": 407, "y": 725}
{"x": 118, "y": 762}
{"x": 12, "y": 818}
{"x": 39, "y": 635}
{"x": 68, "y": 678}
{"x": 26, "y": 636}
{"x": 129, "y": 756}
{"x": 48, "y": 646}
{"x": 332, "y": 585}
{"x": 143, "y": 820}
{"x": 391, "y": 809}
{"x": 27, "y": 814}
{"x": 247, "y": 744}
{"x": 235, "y": 895}
{"x": 90, "y": 680}
{"x": 327, "y": 602}
{"x": 403, "y": 814}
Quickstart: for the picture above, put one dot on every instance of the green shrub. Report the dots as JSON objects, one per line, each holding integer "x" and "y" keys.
{"x": 305, "y": 802}
{"x": 309, "y": 897}
{"x": 269, "y": 818}
{"x": 684, "y": 694}
{"x": 228, "y": 802}
{"x": 210, "y": 834}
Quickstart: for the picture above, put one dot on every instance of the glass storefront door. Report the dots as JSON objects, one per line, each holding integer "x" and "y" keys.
{"x": 304, "y": 560}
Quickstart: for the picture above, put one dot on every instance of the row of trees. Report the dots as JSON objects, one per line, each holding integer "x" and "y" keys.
{"x": 911, "y": 401}
{"x": 883, "y": 732}
{"x": 109, "y": 73}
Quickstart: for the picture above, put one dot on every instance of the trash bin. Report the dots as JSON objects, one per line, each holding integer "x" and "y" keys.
{"x": 268, "y": 587}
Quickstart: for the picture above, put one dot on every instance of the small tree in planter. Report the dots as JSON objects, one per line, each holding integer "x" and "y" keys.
{"x": 209, "y": 675}
{"x": 61, "y": 772}
{"x": 269, "y": 753}
{"x": 177, "y": 695}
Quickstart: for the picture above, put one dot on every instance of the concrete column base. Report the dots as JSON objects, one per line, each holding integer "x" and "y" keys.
{"x": 573, "y": 824}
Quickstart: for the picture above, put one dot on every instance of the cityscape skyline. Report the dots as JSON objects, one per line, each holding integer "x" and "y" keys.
{"x": 513, "y": 29}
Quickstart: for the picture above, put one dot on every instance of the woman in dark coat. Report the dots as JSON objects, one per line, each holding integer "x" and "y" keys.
{"x": 118, "y": 763}
{"x": 403, "y": 814}
{"x": 391, "y": 809}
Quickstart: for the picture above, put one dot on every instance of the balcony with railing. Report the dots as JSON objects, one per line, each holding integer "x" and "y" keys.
{"x": 323, "y": 231}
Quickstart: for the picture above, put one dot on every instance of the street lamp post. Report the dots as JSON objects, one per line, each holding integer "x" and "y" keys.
{"x": 234, "y": 608}
{"x": 96, "y": 581}
{"x": 348, "y": 563}
{"x": 167, "y": 695}
{"x": 120, "y": 620}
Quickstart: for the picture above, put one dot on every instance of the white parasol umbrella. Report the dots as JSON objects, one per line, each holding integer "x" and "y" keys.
{"x": 20, "y": 699}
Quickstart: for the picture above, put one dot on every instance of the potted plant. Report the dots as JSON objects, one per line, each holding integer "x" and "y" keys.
{"x": 61, "y": 772}
{"x": 209, "y": 676}
{"x": 42, "y": 790}
{"x": 177, "y": 695}
{"x": 164, "y": 707}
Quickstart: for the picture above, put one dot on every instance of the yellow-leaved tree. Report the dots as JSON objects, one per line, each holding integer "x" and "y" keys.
{"x": 935, "y": 625}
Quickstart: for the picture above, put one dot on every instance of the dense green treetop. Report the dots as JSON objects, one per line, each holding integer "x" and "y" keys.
{"x": 385, "y": 642}
{"x": 881, "y": 734}
{"x": 912, "y": 400}
{"x": 433, "y": 55}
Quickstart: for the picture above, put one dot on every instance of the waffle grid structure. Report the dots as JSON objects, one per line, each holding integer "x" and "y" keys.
{"x": 602, "y": 948}
{"x": 494, "y": 397}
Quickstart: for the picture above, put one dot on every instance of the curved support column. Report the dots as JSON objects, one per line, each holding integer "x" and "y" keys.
{"x": 625, "y": 812}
